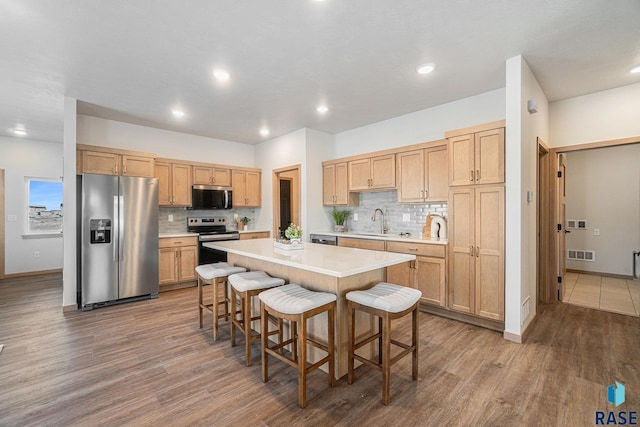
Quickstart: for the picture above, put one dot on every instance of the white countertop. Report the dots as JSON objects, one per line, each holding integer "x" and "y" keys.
{"x": 417, "y": 238}
{"x": 183, "y": 234}
{"x": 254, "y": 231}
{"x": 333, "y": 261}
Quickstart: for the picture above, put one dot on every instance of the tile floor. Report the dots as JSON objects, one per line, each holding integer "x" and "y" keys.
{"x": 604, "y": 293}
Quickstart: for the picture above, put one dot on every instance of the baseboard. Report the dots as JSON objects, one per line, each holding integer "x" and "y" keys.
{"x": 510, "y": 336}
{"x": 31, "y": 274}
{"x": 173, "y": 287}
{"x": 595, "y": 273}
{"x": 525, "y": 334}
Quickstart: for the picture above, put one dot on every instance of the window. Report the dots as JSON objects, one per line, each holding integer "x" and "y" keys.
{"x": 44, "y": 206}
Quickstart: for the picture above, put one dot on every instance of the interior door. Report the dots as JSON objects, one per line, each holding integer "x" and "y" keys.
{"x": 561, "y": 204}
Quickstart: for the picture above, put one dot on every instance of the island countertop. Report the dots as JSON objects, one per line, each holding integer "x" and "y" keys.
{"x": 333, "y": 261}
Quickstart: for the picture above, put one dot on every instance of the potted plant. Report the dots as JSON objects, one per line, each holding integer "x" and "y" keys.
{"x": 245, "y": 220}
{"x": 293, "y": 233}
{"x": 340, "y": 216}
{"x": 242, "y": 222}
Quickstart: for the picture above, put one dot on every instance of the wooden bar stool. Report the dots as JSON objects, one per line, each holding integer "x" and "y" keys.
{"x": 215, "y": 274}
{"x": 388, "y": 302}
{"x": 245, "y": 286}
{"x": 296, "y": 304}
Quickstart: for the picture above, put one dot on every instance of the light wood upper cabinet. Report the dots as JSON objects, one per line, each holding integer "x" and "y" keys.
{"x": 246, "y": 187}
{"x": 476, "y": 247}
{"x": 174, "y": 183}
{"x": 108, "y": 161}
{"x": 206, "y": 175}
{"x": 373, "y": 173}
{"x": 423, "y": 175}
{"x": 477, "y": 158}
{"x": 335, "y": 186}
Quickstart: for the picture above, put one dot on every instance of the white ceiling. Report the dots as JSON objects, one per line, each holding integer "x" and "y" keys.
{"x": 136, "y": 60}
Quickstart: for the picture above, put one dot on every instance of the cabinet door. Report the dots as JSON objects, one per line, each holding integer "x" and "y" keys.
{"x": 167, "y": 258}
{"x": 383, "y": 171}
{"x": 138, "y": 166}
{"x": 489, "y": 252}
{"x": 411, "y": 169}
{"x": 163, "y": 173}
{"x": 461, "y": 250}
{"x": 350, "y": 242}
{"x": 253, "y": 192}
{"x": 254, "y": 235}
{"x": 202, "y": 175}
{"x": 401, "y": 274}
{"x": 359, "y": 174}
{"x": 341, "y": 184}
{"x": 188, "y": 260}
{"x": 436, "y": 166}
{"x": 461, "y": 163}
{"x": 221, "y": 177}
{"x": 489, "y": 156}
{"x": 329, "y": 185}
{"x": 181, "y": 184}
{"x": 430, "y": 280}
{"x": 100, "y": 163}
{"x": 239, "y": 186}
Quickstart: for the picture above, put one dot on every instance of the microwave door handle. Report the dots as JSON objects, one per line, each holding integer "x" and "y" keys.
{"x": 226, "y": 199}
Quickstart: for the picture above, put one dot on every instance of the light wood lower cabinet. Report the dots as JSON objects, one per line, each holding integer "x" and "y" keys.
{"x": 351, "y": 242}
{"x": 255, "y": 235}
{"x": 178, "y": 259}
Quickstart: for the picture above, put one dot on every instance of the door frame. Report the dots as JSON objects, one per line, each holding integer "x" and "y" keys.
{"x": 2, "y": 219}
{"x": 293, "y": 174}
{"x": 551, "y": 285}
{"x": 543, "y": 274}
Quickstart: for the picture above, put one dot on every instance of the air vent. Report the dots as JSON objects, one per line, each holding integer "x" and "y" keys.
{"x": 579, "y": 255}
{"x": 571, "y": 223}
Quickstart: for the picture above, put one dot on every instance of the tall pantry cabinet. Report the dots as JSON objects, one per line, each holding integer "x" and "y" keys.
{"x": 476, "y": 221}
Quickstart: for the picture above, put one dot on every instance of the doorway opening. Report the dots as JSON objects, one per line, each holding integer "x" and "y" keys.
{"x": 286, "y": 198}
{"x": 1, "y": 223}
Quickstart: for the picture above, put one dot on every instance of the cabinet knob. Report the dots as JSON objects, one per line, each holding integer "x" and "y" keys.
{"x": 124, "y": 170}
{"x": 471, "y": 250}
{"x": 477, "y": 174}
{"x": 472, "y": 179}
{"x": 477, "y": 251}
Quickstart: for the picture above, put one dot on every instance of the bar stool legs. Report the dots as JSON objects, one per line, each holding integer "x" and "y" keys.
{"x": 387, "y": 302}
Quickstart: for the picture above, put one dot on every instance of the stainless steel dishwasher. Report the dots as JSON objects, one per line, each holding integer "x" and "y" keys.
{"x": 324, "y": 239}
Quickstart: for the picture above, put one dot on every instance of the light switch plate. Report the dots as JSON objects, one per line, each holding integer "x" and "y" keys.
{"x": 406, "y": 217}
{"x": 596, "y": 231}
{"x": 170, "y": 218}
{"x": 12, "y": 218}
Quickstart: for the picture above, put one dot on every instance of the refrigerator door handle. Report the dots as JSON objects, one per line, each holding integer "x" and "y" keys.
{"x": 116, "y": 229}
{"x": 121, "y": 229}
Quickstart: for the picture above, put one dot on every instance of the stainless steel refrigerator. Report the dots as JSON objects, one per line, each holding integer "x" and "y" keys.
{"x": 117, "y": 239}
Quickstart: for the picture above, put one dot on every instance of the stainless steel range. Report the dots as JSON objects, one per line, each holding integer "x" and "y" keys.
{"x": 211, "y": 229}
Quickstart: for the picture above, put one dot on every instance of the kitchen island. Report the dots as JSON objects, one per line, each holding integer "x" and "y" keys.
{"x": 319, "y": 268}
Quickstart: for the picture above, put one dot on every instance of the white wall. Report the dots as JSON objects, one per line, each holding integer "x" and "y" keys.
{"x": 603, "y": 188}
{"x": 320, "y": 147}
{"x": 521, "y": 153}
{"x": 600, "y": 116}
{"x": 164, "y": 143}
{"x": 69, "y": 276}
{"x": 28, "y": 158}
{"x": 422, "y": 126}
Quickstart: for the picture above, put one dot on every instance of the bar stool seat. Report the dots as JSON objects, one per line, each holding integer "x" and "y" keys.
{"x": 215, "y": 274}
{"x": 246, "y": 286}
{"x": 388, "y": 302}
{"x": 296, "y": 304}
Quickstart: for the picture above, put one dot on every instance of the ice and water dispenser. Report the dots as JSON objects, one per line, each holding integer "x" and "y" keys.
{"x": 100, "y": 230}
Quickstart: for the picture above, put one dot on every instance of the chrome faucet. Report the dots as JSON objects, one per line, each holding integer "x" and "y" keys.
{"x": 383, "y": 229}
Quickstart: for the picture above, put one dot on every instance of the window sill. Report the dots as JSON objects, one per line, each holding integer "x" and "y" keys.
{"x": 41, "y": 235}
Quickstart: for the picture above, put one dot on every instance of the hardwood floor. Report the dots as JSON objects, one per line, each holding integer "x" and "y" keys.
{"x": 147, "y": 363}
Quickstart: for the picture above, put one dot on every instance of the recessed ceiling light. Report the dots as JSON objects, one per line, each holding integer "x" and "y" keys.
{"x": 636, "y": 69}
{"x": 19, "y": 132}
{"x": 177, "y": 113}
{"x": 221, "y": 75}
{"x": 425, "y": 68}
{"x": 322, "y": 109}
{"x": 264, "y": 132}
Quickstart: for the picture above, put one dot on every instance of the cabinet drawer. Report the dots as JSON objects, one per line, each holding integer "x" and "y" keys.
{"x": 171, "y": 242}
{"x": 255, "y": 235}
{"x": 423, "y": 249}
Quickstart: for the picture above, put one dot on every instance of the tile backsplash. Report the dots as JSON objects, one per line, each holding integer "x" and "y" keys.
{"x": 393, "y": 213}
{"x": 179, "y": 223}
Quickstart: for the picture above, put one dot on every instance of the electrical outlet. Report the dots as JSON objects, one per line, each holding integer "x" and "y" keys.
{"x": 596, "y": 231}
{"x": 235, "y": 215}
{"x": 355, "y": 216}
{"x": 406, "y": 217}
{"x": 36, "y": 254}
{"x": 170, "y": 218}
{"x": 12, "y": 218}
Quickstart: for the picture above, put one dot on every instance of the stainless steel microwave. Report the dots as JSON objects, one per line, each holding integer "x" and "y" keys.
{"x": 211, "y": 197}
